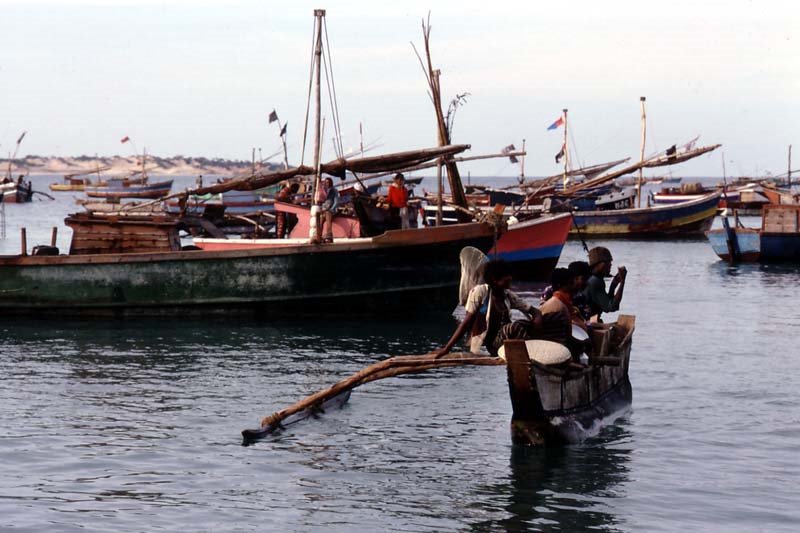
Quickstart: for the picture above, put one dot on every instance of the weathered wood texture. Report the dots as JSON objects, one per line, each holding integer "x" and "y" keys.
{"x": 115, "y": 234}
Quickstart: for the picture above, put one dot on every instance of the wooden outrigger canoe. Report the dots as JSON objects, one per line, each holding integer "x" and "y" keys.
{"x": 556, "y": 405}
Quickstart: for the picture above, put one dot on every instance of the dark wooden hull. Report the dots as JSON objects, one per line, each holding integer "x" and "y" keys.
{"x": 399, "y": 272}
{"x": 553, "y": 407}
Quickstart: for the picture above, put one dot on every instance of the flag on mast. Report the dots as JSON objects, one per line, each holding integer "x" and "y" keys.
{"x": 273, "y": 116}
{"x": 125, "y": 139}
{"x": 283, "y": 130}
{"x": 21, "y": 137}
{"x": 558, "y": 122}
{"x": 561, "y": 153}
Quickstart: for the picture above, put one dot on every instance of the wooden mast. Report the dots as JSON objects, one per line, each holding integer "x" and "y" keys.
{"x": 522, "y": 164}
{"x": 453, "y": 176}
{"x": 789, "y": 171}
{"x": 313, "y": 229}
{"x": 641, "y": 155}
{"x": 439, "y": 183}
{"x": 566, "y": 151}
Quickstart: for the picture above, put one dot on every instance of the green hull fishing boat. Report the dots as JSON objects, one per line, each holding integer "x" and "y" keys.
{"x": 399, "y": 270}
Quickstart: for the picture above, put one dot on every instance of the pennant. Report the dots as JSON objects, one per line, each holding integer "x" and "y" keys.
{"x": 560, "y": 153}
{"x": 559, "y": 122}
{"x": 510, "y": 148}
{"x": 273, "y": 116}
{"x": 21, "y": 137}
{"x": 125, "y": 139}
{"x": 283, "y": 130}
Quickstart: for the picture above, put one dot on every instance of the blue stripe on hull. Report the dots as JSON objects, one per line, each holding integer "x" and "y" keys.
{"x": 546, "y": 252}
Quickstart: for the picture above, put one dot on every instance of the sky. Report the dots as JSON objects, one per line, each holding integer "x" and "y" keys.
{"x": 199, "y": 78}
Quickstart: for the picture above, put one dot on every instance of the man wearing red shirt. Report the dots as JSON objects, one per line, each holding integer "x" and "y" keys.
{"x": 398, "y": 203}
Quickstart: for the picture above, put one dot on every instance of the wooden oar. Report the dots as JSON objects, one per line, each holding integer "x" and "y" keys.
{"x": 395, "y": 366}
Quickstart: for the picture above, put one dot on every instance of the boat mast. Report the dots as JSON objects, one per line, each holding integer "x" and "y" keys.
{"x": 566, "y": 151}
{"x": 641, "y": 155}
{"x": 318, "y": 15}
{"x": 789, "y": 171}
{"x": 439, "y": 182}
{"x": 144, "y": 158}
{"x": 522, "y": 164}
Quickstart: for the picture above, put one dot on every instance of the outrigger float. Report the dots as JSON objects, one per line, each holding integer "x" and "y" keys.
{"x": 555, "y": 400}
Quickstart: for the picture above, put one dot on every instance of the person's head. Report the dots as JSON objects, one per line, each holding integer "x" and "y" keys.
{"x": 328, "y": 182}
{"x": 497, "y": 274}
{"x": 600, "y": 261}
{"x": 399, "y": 179}
{"x": 562, "y": 280}
{"x": 581, "y": 272}
{"x": 294, "y": 187}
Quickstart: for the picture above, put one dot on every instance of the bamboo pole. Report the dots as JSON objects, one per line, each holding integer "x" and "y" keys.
{"x": 23, "y": 241}
{"x": 394, "y": 366}
{"x": 439, "y": 193}
{"x": 314, "y": 235}
{"x": 566, "y": 151}
{"x": 789, "y": 171}
{"x": 641, "y": 154}
{"x": 433, "y": 164}
{"x": 522, "y": 164}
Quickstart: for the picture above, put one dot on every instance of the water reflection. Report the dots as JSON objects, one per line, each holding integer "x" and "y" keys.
{"x": 770, "y": 274}
{"x": 565, "y": 489}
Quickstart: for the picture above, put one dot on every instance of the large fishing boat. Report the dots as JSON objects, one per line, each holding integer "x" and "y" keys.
{"x": 683, "y": 219}
{"x": 118, "y": 266}
{"x": 532, "y": 248}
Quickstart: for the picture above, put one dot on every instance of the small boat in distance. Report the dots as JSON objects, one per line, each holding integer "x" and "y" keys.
{"x": 116, "y": 189}
{"x": 78, "y": 182}
{"x": 778, "y": 239}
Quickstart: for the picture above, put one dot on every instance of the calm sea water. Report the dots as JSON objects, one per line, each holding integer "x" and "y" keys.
{"x": 135, "y": 425}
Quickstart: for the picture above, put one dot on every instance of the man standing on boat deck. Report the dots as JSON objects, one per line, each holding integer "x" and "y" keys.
{"x": 284, "y": 220}
{"x": 598, "y": 299}
{"x": 397, "y": 199}
{"x": 488, "y": 313}
{"x": 330, "y": 200}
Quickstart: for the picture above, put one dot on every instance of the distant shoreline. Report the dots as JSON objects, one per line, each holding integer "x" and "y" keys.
{"x": 171, "y": 166}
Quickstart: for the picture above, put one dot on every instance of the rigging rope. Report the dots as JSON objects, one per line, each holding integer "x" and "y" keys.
{"x": 332, "y": 93}
{"x": 308, "y": 98}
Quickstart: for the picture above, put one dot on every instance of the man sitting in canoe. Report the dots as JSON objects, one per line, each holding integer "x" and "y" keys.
{"x": 488, "y": 313}
{"x": 581, "y": 273}
{"x": 598, "y": 299}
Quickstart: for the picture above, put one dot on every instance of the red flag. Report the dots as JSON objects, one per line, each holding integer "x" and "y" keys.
{"x": 273, "y": 116}
{"x": 125, "y": 139}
